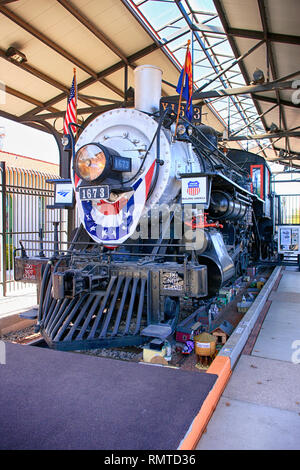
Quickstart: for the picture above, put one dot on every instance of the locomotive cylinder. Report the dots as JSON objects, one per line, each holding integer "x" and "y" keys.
{"x": 224, "y": 205}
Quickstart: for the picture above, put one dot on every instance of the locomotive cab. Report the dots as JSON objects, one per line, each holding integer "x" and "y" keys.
{"x": 260, "y": 175}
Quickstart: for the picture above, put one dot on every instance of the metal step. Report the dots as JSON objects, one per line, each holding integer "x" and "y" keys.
{"x": 157, "y": 330}
{"x": 30, "y": 314}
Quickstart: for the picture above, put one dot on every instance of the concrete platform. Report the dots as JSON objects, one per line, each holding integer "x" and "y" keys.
{"x": 12, "y": 306}
{"x": 240, "y": 425}
{"x": 260, "y": 406}
{"x": 290, "y": 282}
{"x": 18, "y": 303}
{"x": 282, "y": 323}
{"x": 274, "y": 343}
{"x": 265, "y": 382}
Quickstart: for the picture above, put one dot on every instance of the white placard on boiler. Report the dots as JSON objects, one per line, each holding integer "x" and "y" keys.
{"x": 194, "y": 190}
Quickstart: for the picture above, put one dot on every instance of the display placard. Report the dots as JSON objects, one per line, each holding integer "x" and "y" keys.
{"x": 195, "y": 190}
{"x": 63, "y": 193}
{"x": 288, "y": 239}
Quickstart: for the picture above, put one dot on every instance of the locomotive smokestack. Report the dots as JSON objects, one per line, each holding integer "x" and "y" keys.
{"x": 147, "y": 88}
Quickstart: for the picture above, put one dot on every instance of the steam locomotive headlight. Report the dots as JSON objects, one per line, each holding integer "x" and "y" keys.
{"x": 90, "y": 162}
{"x": 95, "y": 164}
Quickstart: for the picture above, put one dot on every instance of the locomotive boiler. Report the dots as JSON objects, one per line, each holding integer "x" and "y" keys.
{"x": 166, "y": 220}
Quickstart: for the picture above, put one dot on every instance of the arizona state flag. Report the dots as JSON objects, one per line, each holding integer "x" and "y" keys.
{"x": 186, "y": 88}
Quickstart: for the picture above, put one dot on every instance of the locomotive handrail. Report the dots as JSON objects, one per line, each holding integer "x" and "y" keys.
{"x": 117, "y": 253}
{"x": 103, "y": 244}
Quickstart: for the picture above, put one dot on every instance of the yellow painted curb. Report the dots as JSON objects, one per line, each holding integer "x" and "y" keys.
{"x": 221, "y": 367}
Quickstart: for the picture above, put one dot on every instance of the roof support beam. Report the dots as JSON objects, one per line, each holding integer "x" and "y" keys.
{"x": 89, "y": 81}
{"x": 43, "y": 38}
{"x": 89, "y": 110}
{"x": 273, "y": 37}
{"x": 215, "y": 66}
{"x": 224, "y": 73}
{"x": 236, "y": 52}
{"x": 256, "y": 119}
{"x": 271, "y": 60}
{"x": 271, "y": 86}
{"x": 38, "y": 74}
{"x": 14, "y": 118}
{"x": 235, "y": 62}
{"x": 29, "y": 99}
{"x": 270, "y": 37}
{"x": 270, "y": 135}
{"x": 269, "y": 99}
{"x": 92, "y": 28}
{"x": 292, "y": 155}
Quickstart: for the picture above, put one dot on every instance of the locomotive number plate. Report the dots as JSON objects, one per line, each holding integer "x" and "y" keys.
{"x": 94, "y": 192}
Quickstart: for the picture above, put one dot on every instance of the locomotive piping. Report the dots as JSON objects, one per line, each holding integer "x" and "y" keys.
{"x": 230, "y": 162}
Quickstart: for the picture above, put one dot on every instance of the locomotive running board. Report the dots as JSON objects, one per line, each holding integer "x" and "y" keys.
{"x": 110, "y": 318}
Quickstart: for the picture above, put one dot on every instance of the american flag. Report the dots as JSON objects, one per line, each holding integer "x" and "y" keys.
{"x": 71, "y": 113}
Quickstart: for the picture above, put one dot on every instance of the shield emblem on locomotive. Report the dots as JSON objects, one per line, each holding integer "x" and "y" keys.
{"x": 193, "y": 188}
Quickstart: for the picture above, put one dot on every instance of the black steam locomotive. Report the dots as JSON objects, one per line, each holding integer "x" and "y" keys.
{"x": 166, "y": 221}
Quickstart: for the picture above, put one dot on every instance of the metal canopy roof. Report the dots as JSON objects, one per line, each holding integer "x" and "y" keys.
{"x": 102, "y": 39}
{"x": 259, "y": 34}
{"x": 277, "y": 23}
{"x": 105, "y": 40}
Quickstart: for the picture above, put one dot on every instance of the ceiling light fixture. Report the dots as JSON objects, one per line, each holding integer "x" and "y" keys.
{"x": 15, "y": 55}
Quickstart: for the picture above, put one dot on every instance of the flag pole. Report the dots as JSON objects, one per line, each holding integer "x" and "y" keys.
{"x": 75, "y": 90}
{"x": 183, "y": 78}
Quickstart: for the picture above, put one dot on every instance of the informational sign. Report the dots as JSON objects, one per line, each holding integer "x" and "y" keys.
{"x": 63, "y": 193}
{"x": 172, "y": 281}
{"x": 194, "y": 190}
{"x": 30, "y": 271}
{"x": 288, "y": 239}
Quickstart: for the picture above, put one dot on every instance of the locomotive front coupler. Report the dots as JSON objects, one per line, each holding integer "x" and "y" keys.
{"x": 73, "y": 282}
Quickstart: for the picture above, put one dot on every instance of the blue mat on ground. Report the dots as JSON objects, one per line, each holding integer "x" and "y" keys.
{"x": 62, "y": 400}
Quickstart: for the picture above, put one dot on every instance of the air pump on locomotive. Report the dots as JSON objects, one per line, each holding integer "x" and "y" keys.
{"x": 116, "y": 286}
